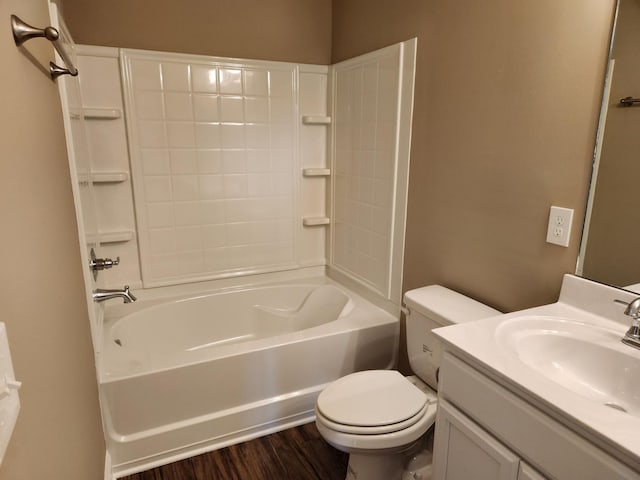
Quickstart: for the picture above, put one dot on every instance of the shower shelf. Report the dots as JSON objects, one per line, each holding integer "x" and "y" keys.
{"x": 109, "y": 177}
{"x": 316, "y": 172}
{"x": 316, "y": 120}
{"x": 104, "y": 177}
{"x": 101, "y": 113}
{"x": 315, "y": 221}
{"x": 111, "y": 237}
{"x": 97, "y": 113}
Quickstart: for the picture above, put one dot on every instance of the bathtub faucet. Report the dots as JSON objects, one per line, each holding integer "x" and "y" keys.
{"x": 100, "y": 294}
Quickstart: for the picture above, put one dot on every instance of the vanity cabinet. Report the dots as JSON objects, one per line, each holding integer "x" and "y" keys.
{"x": 467, "y": 451}
{"x": 464, "y": 450}
{"x": 486, "y": 432}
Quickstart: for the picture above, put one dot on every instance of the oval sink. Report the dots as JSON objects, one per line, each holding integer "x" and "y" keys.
{"x": 589, "y": 360}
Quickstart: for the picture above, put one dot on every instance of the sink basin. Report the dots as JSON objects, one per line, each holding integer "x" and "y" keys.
{"x": 586, "y": 359}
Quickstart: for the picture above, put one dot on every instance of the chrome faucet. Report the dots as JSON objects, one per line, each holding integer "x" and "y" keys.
{"x": 100, "y": 294}
{"x": 632, "y": 337}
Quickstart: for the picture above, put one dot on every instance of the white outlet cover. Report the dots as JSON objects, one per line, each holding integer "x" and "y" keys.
{"x": 559, "y": 229}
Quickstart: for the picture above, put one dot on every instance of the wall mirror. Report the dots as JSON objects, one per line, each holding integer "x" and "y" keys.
{"x": 610, "y": 251}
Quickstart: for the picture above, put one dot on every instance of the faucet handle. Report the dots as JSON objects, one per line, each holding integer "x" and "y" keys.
{"x": 97, "y": 264}
{"x": 103, "y": 263}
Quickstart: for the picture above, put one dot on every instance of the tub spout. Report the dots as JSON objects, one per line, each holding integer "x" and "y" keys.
{"x": 100, "y": 294}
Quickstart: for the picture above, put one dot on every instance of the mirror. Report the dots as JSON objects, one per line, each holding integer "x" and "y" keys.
{"x": 610, "y": 251}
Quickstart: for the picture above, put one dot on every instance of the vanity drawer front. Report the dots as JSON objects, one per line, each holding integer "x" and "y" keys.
{"x": 549, "y": 446}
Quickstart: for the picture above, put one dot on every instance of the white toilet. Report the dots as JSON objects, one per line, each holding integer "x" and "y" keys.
{"x": 378, "y": 416}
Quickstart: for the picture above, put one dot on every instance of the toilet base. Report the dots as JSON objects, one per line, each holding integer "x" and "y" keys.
{"x": 419, "y": 467}
{"x": 409, "y": 463}
{"x": 363, "y": 466}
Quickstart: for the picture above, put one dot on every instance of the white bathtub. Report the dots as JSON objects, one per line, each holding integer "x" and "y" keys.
{"x": 198, "y": 373}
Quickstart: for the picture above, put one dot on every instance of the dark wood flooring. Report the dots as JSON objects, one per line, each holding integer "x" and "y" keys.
{"x": 296, "y": 454}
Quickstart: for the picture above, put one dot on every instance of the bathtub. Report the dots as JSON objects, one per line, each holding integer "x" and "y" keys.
{"x": 200, "y": 372}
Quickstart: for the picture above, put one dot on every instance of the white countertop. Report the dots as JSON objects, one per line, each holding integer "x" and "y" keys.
{"x": 479, "y": 344}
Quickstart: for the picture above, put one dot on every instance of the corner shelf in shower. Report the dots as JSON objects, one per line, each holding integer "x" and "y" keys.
{"x": 104, "y": 177}
{"x": 109, "y": 177}
{"x": 97, "y": 113}
{"x": 316, "y": 120}
{"x": 315, "y": 221}
{"x": 102, "y": 113}
{"x": 316, "y": 172}
{"x": 119, "y": 236}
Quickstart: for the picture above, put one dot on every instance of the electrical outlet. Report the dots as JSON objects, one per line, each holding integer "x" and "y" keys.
{"x": 559, "y": 229}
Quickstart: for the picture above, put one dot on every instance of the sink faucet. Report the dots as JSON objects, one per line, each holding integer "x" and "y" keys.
{"x": 632, "y": 337}
{"x": 100, "y": 294}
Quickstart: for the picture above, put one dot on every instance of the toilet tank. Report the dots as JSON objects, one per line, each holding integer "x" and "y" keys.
{"x": 432, "y": 307}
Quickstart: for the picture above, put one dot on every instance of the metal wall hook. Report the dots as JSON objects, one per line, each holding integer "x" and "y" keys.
{"x": 629, "y": 101}
{"x": 23, "y": 32}
{"x": 55, "y": 71}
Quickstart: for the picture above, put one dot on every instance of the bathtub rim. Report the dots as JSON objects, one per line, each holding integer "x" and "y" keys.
{"x": 156, "y": 295}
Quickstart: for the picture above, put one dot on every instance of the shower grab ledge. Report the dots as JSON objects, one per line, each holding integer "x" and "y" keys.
{"x": 96, "y": 113}
{"x": 316, "y": 119}
{"x": 23, "y": 32}
{"x": 315, "y": 221}
{"x": 104, "y": 177}
{"x": 316, "y": 172}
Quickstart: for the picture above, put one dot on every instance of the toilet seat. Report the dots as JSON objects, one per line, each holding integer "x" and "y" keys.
{"x": 375, "y": 430}
{"x": 372, "y": 402}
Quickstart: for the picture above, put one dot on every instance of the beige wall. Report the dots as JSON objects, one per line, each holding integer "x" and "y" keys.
{"x": 612, "y": 249}
{"x": 285, "y": 30}
{"x": 58, "y": 434}
{"x": 507, "y": 98}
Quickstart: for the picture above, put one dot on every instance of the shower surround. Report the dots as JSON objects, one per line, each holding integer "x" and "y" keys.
{"x": 226, "y": 184}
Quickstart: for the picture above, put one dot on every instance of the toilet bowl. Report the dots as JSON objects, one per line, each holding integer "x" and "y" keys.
{"x": 380, "y": 417}
{"x": 376, "y": 416}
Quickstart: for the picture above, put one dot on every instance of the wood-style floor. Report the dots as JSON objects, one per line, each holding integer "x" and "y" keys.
{"x": 296, "y": 454}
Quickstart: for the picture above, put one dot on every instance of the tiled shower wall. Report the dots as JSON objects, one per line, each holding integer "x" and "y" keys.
{"x": 215, "y": 169}
{"x": 229, "y": 161}
{"x": 370, "y": 169}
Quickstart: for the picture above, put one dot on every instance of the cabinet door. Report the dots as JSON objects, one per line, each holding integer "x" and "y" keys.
{"x": 526, "y": 472}
{"x": 464, "y": 451}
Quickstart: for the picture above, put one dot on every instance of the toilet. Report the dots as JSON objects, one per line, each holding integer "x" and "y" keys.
{"x": 381, "y": 417}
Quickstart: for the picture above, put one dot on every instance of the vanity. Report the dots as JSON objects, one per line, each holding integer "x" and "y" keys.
{"x": 545, "y": 393}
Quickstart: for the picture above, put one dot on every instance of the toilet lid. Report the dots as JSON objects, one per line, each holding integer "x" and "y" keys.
{"x": 371, "y": 399}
